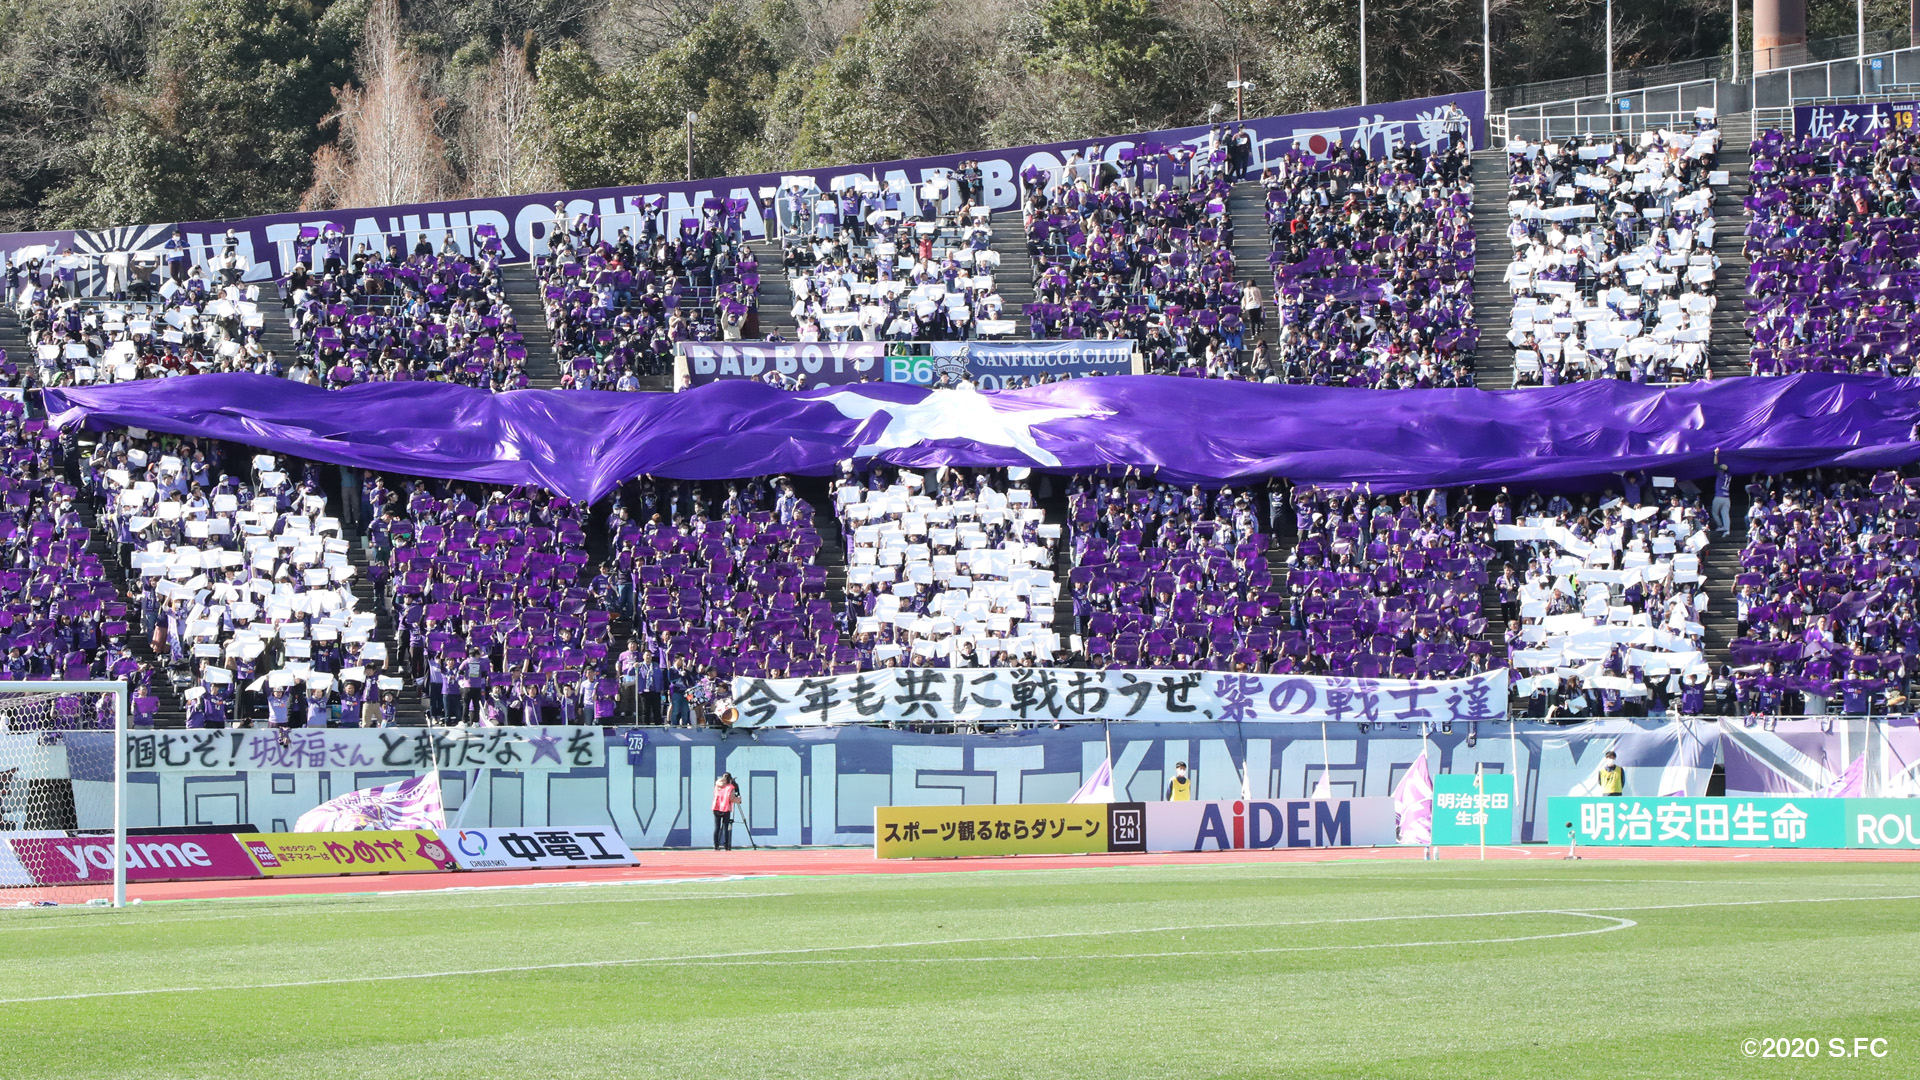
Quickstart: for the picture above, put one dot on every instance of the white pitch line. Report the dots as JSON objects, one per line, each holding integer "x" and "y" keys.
{"x": 673, "y": 960}
{"x": 752, "y": 954}
{"x": 93, "y": 921}
{"x": 1616, "y": 922}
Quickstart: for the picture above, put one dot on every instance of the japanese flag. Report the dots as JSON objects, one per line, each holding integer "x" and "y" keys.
{"x": 1315, "y": 141}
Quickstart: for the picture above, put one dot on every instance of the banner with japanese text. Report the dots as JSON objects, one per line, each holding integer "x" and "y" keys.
{"x": 1707, "y": 822}
{"x": 1861, "y": 119}
{"x": 523, "y": 224}
{"x": 317, "y": 749}
{"x": 970, "y": 695}
{"x": 819, "y": 785}
{"x": 521, "y": 849}
{"x": 1474, "y": 808}
{"x": 931, "y": 832}
{"x": 372, "y": 852}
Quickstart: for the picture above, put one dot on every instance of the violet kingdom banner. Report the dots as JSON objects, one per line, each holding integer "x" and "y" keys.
{"x": 522, "y": 221}
{"x": 583, "y": 444}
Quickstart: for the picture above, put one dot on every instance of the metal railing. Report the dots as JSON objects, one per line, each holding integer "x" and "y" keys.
{"x": 1851, "y": 78}
{"x": 1623, "y": 112}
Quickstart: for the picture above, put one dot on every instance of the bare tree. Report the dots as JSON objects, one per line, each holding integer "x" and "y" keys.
{"x": 390, "y": 149}
{"x": 503, "y": 148}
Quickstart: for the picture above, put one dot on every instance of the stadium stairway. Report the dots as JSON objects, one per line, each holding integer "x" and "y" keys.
{"x": 817, "y": 491}
{"x": 524, "y": 295}
{"x": 1014, "y": 278}
{"x": 775, "y": 296}
{"x": 1246, "y": 208}
{"x": 276, "y": 334}
{"x": 172, "y": 711}
{"x": 1492, "y": 251}
{"x": 409, "y": 707}
{"x": 13, "y": 338}
{"x": 1729, "y": 344}
{"x": 1720, "y": 565}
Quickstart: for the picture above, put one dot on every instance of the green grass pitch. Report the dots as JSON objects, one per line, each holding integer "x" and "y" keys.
{"x": 1514, "y": 969}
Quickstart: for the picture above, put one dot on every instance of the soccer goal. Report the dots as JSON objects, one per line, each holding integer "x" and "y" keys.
{"x": 63, "y": 824}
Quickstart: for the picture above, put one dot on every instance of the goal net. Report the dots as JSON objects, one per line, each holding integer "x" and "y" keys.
{"x": 62, "y": 830}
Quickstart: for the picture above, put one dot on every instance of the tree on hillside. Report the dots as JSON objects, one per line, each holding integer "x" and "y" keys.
{"x": 389, "y": 148}
{"x": 504, "y": 151}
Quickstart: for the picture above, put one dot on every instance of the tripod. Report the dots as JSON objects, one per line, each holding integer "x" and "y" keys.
{"x": 746, "y": 825}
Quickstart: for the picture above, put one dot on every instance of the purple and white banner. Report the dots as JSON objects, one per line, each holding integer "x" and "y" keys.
{"x": 971, "y": 695}
{"x": 584, "y": 443}
{"x": 814, "y": 363}
{"x": 1858, "y": 120}
{"x": 413, "y": 803}
{"x": 522, "y": 222}
{"x": 1850, "y": 757}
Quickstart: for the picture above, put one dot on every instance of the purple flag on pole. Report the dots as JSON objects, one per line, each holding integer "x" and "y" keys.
{"x": 410, "y": 804}
{"x": 1413, "y": 803}
{"x": 1099, "y": 786}
{"x": 1851, "y": 784}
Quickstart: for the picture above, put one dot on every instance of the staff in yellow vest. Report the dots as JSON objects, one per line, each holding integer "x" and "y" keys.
{"x": 1613, "y": 778}
{"x": 1181, "y": 789}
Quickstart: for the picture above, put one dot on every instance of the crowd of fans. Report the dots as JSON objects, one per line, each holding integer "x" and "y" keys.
{"x": 869, "y": 263}
{"x": 1827, "y": 594}
{"x": 1373, "y": 268}
{"x": 60, "y": 615}
{"x": 1156, "y": 267}
{"x": 498, "y": 613}
{"x": 955, "y": 571}
{"x": 1613, "y": 266}
{"x": 617, "y": 306}
{"x": 427, "y": 314}
{"x": 1833, "y": 251}
{"x": 190, "y": 324}
{"x": 243, "y": 583}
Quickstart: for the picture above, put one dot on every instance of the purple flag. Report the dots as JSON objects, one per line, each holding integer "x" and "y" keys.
{"x": 582, "y": 444}
{"x": 1851, "y": 784}
{"x": 1413, "y": 803}
{"x": 1099, "y": 786}
{"x": 410, "y": 804}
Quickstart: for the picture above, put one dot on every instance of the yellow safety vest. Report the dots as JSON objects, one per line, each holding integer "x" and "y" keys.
{"x": 1181, "y": 790}
{"x": 1613, "y": 779}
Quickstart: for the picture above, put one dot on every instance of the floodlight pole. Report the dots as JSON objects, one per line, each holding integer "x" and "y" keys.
{"x": 1363, "y": 51}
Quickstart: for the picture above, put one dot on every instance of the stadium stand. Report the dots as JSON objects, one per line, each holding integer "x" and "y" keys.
{"x": 425, "y": 315}
{"x": 1373, "y": 266}
{"x": 1832, "y": 242}
{"x": 1613, "y": 273}
{"x": 614, "y": 307}
{"x": 859, "y": 267}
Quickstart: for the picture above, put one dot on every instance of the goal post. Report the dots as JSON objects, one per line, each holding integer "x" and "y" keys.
{"x": 63, "y": 792}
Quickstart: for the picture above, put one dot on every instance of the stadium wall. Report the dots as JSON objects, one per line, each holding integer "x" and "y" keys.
{"x": 819, "y": 786}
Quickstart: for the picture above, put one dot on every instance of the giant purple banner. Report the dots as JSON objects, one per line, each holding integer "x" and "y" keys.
{"x": 522, "y": 221}
{"x": 584, "y": 443}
